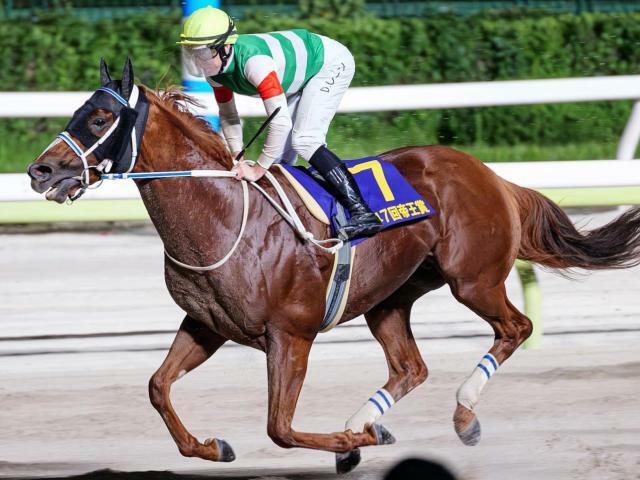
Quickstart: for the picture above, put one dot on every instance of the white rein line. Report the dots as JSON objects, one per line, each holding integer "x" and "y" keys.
{"x": 288, "y": 213}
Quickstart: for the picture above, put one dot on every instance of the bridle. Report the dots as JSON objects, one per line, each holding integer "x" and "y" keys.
{"x": 107, "y": 164}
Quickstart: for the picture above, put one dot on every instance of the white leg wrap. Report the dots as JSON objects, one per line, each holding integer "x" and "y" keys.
{"x": 469, "y": 392}
{"x": 375, "y": 407}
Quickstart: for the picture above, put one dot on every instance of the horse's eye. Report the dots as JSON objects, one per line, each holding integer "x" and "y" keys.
{"x": 99, "y": 122}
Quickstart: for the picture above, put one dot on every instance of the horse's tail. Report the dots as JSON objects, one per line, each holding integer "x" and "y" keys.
{"x": 549, "y": 237}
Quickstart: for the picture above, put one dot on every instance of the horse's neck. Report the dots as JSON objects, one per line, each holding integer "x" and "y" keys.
{"x": 166, "y": 148}
{"x": 185, "y": 211}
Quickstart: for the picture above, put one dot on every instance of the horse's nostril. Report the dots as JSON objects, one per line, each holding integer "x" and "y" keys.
{"x": 40, "y": 172}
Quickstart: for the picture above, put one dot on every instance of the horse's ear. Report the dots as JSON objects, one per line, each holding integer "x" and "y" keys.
{"x": 105, "y": 78}
{"x": 127, "y": 79}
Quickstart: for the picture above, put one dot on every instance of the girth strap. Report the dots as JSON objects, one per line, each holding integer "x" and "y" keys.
{"x": 339, "y": 281}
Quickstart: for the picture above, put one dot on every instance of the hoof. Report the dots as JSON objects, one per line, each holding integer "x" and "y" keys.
{"x": 225, "y": 451}
{"x": 467, "y": 426}
{"x": 383, "y": 436}
{"x": 345, "y": 462}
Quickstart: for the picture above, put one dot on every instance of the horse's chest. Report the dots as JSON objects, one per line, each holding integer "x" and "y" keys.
{"x": 212, "y": 307}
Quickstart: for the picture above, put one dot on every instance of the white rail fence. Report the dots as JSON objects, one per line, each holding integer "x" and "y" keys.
{"x": 402, "y": 97}
{"x": 407, "y": 97}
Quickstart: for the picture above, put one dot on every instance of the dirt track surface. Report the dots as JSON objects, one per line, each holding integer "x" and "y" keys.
{"x": 75, "y": 359}
{"x": 552, "y": 413}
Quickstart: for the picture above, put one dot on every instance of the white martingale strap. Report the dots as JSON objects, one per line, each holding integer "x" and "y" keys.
{"x": 469, "y": 392}
{"x": 195, "y": 173}
{"x": 288, "y": 213}
{"x": 223, "y": 260}
{"x": 372, "y": 410}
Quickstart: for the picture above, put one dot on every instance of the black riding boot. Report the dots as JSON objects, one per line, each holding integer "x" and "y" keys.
{"x": 362, "y": 221}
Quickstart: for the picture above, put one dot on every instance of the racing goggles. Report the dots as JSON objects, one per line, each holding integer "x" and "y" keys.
{"x": 201, "y": 60}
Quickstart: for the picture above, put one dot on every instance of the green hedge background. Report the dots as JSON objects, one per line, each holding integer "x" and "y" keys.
{"x": 61, "y": 52}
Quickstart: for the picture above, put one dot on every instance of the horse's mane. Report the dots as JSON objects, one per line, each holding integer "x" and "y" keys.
{"x": 174, "y": 102}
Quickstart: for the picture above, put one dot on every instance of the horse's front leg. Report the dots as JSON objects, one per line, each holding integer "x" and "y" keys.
{"x": 194, "y": 343}
{"x": 287, "y": 357}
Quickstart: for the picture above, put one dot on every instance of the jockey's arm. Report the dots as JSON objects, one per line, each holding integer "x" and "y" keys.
{"x": 229, "y": 118}
{"x": 260, "y": 70}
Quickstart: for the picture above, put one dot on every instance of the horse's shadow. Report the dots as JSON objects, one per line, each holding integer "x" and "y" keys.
{"x": 244, "y": 474}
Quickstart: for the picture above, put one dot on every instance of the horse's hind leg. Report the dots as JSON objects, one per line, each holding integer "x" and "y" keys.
{"x": 287, "y": 357}
{"x": 194, "y": 343}
{"x": 390, "y": 326}
{"x": 511, "y": 328}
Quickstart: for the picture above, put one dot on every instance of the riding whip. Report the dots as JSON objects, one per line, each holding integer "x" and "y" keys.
{"x": 262, "y": 127}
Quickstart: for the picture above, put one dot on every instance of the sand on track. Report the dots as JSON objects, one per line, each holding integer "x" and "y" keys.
{"x": 569, "y": 410}
{"x": 560, "y": 412}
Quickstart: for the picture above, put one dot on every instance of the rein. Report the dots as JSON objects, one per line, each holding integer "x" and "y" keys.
{"x": 331, "y": 245}
{"x": 288, "y": 212}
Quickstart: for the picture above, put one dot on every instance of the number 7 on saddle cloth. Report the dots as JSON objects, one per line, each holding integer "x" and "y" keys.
{"x": 386, "y": 191}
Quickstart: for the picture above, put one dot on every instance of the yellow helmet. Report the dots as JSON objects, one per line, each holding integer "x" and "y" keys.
{"x": 208, "y": 26}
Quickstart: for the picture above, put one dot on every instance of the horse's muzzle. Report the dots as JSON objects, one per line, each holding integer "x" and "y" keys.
{"x": 40, "y": 173}
{"x": 58, "y": 186}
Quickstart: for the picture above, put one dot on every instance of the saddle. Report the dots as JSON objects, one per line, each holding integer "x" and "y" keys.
{"x": 388, "y": 195}
{"x": 385, "y": 190}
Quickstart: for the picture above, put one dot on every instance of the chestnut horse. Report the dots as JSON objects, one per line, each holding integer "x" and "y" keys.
{"x": 266, "y": 295}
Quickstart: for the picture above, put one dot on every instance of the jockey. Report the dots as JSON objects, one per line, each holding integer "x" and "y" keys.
{"x": 303, "y": 73}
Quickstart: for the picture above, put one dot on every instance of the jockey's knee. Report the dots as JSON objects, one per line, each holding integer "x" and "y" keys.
{"x": 289, "y": 157}
{"x": 305, "y": 145}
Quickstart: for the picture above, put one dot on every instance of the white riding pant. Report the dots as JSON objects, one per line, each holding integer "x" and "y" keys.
{"x": 313, "y": 108}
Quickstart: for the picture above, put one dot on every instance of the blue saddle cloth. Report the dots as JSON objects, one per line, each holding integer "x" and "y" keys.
{"x": 385, "y": 190}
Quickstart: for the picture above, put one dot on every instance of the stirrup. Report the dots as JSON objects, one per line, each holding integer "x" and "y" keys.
{"x": 364, "y": 225}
